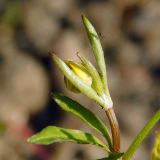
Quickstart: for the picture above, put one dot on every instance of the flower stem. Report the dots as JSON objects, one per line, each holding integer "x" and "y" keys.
{"x": 140, "y": 137}
{"x": 114, "y": 128}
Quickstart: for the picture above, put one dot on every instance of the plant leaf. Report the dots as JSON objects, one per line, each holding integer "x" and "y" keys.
{"x": 83, "y": 113}
{"x": 53, "y": 134}
{"x": 76, "y": 81}
{"x": 140, "y": 137}
{"x": 94, "y": 74}
{"x": 97, "y": 50}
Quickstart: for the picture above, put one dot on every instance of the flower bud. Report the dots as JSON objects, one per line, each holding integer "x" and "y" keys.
{"x": 156, "y": 149}
{"x": 81, "y": 72}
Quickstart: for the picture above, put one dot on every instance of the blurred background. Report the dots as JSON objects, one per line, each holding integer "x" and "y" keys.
{"x": 29, "y": 29}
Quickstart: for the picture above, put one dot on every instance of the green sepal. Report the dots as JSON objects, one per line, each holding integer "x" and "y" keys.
{"x": 97, "y": 83}
{"x": 70, "y": 86}
{"x": 97, "y": 50}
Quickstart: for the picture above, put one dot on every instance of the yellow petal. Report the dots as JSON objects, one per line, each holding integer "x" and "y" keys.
{"x": 80, "y": 71}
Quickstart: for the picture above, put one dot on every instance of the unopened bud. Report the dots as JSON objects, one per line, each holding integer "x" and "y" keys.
{"x": 81, "y": 72}
{"x": 156, "y": 149}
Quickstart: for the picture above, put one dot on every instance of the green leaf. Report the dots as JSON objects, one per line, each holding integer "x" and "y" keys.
{"x": 141, "y": 136}
{"x": 97, "y": 83}
{"x": 97, "y": 50}
{"x": 84, "y": 114}
{"x": 53, "y": 134}
{"x": 76, "y": 81}
{"x": 112, "y": 157}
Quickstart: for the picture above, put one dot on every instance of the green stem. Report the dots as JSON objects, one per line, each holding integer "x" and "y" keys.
{"x": 140, "y": 137}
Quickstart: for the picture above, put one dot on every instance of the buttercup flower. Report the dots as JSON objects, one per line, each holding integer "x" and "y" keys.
{"x": 81, "y": 72}
{"x": 156, "y": 149}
